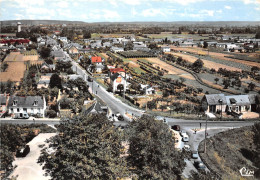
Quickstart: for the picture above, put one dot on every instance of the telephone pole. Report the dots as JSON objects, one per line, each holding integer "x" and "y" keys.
{"x": 205, "y": 149}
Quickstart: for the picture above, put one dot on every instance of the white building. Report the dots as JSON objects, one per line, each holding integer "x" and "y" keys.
{"x": 31, "y": 105}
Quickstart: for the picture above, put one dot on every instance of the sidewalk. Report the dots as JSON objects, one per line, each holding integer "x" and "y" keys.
{"x": 31, "y": 119}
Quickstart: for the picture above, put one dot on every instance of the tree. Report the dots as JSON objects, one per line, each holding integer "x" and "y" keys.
{"x": 55, "y": 81}
{"x": 87, "y": 147}
{"x": 251, "y": 86}
{"x": 152, "y": 152}
{"x": 197, "y": 65}
{"x": 257, "y": 36}
{"x": 216, "y": 79}
{"x": 129, "y": 46}
{"x": 45, "y": 52}
{"x": 226, "y": 83}
{"x": 151, "y": 104}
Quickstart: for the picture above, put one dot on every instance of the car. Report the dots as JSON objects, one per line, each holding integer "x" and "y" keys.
{"x": 90, "y": 79}
{"x": 23, "y": 152}
{"x": 183, "y": 133}
{"x": 185, "y": 138}
{"x": 194, "y": 154}
{"x": 199, "y": 165}
{"x": 186, "y": 147}
{"x": 120, "y": 118}
{"x": 176, "y": 127}
{"x": 117, "y": 114}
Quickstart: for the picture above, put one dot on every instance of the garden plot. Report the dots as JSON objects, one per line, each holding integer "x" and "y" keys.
{"x": 197, "y": 50}
{"x": 164, "y": 65}
{"x": 207, "y": 64}
{"x": 194, "y": 83}
{"x": 235, "y": 64}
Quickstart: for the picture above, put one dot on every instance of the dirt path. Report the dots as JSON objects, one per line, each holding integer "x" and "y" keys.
{"x": 27, "y": 167}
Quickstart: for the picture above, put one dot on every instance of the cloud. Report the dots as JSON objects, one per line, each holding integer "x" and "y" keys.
{"x": 152, "y": 12}
{"x": 227, "y": 7}
{"x": 110, "y": 15}
{"x": 207, "y": 12}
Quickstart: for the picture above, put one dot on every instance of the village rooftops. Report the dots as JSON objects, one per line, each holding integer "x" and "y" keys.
{"x": 96, "y": 59}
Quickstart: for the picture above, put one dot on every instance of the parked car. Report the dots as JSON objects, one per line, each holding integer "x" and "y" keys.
{"x": 194, "y": 154}
{"x": 186, "y": 147}
{"x": 23, "y": 152}
{"x": 199, "y": 165}
{"x": 90, "y": 79}
{"x": 183, "y": 133}
{"x": 176, "y": 127}
{"x": 185, "y": 138}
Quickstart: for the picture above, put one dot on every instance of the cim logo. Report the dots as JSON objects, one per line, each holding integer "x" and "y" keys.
{"x": 245, "y": 172}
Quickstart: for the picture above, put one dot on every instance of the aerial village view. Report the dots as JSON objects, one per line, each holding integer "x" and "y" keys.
{"x": 130, "y": 90}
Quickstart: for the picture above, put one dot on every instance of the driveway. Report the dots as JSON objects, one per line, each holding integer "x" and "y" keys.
{"x": 27, "y": 167}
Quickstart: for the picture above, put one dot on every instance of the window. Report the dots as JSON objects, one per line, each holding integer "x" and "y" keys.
{"x": 14, "y": 102}
{"x": 35, "y": 103}
{"x": 18, "y": 110}
{"x": 12, "y": 110}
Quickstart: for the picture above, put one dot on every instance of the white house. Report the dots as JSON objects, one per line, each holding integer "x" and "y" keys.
{"x": 166, "y": 49}
{"x": 31, "y": 105}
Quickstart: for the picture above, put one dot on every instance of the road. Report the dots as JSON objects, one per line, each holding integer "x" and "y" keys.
{"x": 115, "y": 105}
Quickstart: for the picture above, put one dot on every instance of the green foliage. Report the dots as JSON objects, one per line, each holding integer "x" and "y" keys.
{"x": 55, "y": 81}
{"x": 64, "y": 66}
{"x": 51, "y": 113}
{"x": 197, "y": 65}
{"x": 152, "y": 152}
{"x": 87, "y": 147}
{"x": 45, "y": 52}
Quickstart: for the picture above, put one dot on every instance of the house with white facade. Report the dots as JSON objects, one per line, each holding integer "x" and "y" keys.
{"x": 32, "y": 105}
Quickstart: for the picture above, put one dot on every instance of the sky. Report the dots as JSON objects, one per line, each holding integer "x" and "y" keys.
{"x": 131, "y": 10}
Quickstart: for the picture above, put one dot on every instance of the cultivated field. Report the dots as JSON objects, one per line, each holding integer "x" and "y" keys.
{"x": 207, "y": 64}
{"x": 197, "y": 50}
{"x": 14, "y": 72}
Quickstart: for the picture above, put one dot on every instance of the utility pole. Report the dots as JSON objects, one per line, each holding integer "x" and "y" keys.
{"x": 205, "y": 149}
{"x": 125, "y": 83}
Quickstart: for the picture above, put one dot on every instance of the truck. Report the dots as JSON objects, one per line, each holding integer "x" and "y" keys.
{"x": 23, "y": 115}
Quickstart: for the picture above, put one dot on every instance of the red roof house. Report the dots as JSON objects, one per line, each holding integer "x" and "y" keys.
{"x": 96, "y": 59}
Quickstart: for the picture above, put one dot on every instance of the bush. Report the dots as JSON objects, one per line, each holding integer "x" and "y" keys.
{"x": 51, "y": 113}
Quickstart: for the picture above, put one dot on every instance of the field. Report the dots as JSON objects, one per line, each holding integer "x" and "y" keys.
{"x": 97, "y": 35}
{"x": 207, "y": 63}
{"x": 14, "y": 72}
{"x": 229, "y": 151}
{"x": 164, "y": 65}
{"x": 220, "y": 56}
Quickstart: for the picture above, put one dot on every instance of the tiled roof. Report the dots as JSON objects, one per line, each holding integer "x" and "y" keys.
{"x": 96, "y": 59}
{"x": 26, "y": 101}
{"x": 213, "y": 99}
{"x": 115, "y": 70}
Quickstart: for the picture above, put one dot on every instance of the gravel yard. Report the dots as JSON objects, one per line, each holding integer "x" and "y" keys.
{"x": 27, "y": 167}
